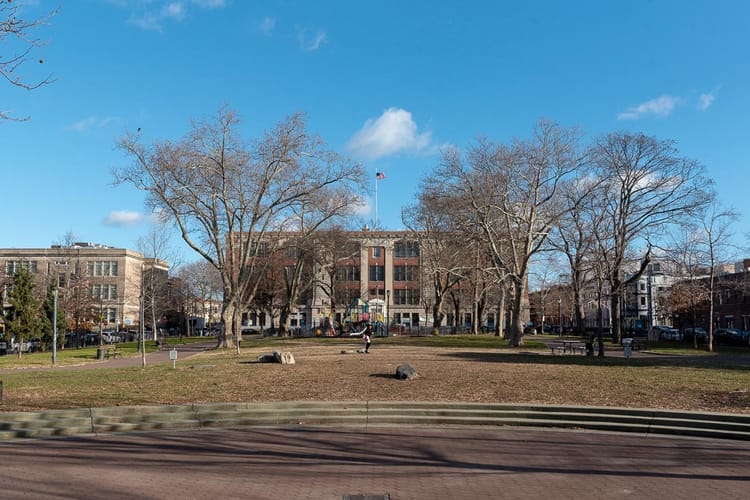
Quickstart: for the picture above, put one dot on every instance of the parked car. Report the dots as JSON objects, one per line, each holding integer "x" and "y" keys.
{"x": 90, "y": 339}
{"x": 689, "y": 333}
{"x": 111, "y": 338}
{"x": 671, "y": 334}
{"x": 731, "y": 336}
{"x": 657, "y": 332}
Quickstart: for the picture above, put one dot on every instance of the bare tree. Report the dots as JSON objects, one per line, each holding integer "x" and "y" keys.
{"x": 327, "y": 211}
{"x": 647, "y": 186}
{"x": 336, "y": 266}
{"x": 441, "y": 243}
{"x": 574, "y": 238}
{"x": 20, "y": 45}
{"x": 716, "y": 228}
{"x": 512, "y": 198}
{"x": 156, "y": 247}
{"x": 689, "y": 295}
{"x": 228, "y": 198}
{"x": 201, "y": 286}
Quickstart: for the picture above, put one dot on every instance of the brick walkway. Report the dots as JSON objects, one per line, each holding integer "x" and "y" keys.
{"x": 405, "y": 463}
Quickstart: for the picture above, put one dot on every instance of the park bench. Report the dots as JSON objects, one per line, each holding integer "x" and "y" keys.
{"x": 640, "y": 344}
{"x": 569, "y": 348}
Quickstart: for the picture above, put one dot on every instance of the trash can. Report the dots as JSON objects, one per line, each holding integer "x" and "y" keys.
{"x": 627, "y": 347}
{"x": 101, "y": 352}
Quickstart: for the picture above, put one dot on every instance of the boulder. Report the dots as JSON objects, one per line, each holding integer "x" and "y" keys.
{"x": 405, "y": 372}
{"x": 285, "y": 358}
{"x": 266, "y": 358}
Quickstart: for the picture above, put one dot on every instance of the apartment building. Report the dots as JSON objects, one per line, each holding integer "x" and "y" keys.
{"x": 94, "y": 280}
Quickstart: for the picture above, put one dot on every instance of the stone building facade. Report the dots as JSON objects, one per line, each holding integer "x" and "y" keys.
{"x": 106, "y": 281}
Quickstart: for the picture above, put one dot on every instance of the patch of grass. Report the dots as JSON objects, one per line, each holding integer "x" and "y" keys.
{"x": 83, "y": 355}
{"x": 461, "y": 368}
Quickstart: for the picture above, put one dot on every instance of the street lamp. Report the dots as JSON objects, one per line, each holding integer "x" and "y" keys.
{"x": 387, "y": 307}
{"x": 559, "y": 315}
{"x": 101, "y": 317}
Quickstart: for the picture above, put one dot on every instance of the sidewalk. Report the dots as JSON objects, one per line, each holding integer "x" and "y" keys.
{"x": 395, "y": 463}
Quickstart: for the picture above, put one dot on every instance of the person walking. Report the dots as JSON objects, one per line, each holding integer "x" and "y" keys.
{"x": 366, "y": 338}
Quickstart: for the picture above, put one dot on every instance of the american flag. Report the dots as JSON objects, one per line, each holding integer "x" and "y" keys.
{"x": 379, "y": 176}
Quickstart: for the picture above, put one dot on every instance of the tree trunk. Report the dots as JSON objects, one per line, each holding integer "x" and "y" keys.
{"x": 600, "y": 330}
{"x": 437, "y": 313}
{"x": 615, "y": 314}
{"x": 226, "y": 337}
{"x": 284, "y": 315}
{"x": 516, "y": 328}
{"x": 500, "y": 326}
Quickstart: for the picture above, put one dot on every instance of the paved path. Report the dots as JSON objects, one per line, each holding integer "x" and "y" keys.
{"x": 183, "y": 351}
{"x": 403, "y": 462}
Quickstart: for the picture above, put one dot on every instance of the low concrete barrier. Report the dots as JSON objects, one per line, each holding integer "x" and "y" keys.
{"x": 369, "y": 413}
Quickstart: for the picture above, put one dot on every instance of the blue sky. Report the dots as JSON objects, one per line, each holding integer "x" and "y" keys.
{"x": 387, "y": 83}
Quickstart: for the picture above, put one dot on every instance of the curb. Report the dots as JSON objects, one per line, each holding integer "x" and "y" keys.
{"x": 71, "y": 422}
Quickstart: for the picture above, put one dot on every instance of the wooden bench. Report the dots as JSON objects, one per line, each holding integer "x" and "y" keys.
{"x": 112, "y": 352}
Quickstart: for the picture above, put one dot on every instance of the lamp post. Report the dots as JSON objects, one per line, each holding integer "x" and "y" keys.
{"x": 387, "y": 307}
{"x": 559, "y": 315}
{"x": 101, "y": 317}
{"x": 54, "y": 327}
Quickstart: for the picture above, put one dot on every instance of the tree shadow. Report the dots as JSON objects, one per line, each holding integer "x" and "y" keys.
{"x": 721, "y": 362}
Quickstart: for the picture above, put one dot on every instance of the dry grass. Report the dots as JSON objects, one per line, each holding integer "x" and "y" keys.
{"x": 323, "y": 372}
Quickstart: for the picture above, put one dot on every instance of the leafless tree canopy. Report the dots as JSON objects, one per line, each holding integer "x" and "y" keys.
{"x": 20, "y": 45}
{"x": 511, "y": 200}
{"x": 646, "y": 187}
{"x": 229, "y": 197}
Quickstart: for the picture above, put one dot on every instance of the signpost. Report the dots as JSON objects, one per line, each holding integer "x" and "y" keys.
{"x": 173, "y": 357}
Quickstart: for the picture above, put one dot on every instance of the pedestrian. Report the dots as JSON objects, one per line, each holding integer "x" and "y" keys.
{"x": 366, "y": 338}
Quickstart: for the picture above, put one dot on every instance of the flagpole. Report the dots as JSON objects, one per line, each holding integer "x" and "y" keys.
{"x": 377, "y": 181}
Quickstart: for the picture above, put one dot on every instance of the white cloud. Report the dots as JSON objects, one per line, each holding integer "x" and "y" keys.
{"x": 174, "y": 10}
{"x": 151, "y": 15}
{"x": 153, "y": 21}
{"x": 313, "y": 43}
{"x": 123, "y": 218}
{"x": 392, "y": 132}
{"x": 661, "y": 106}
{"x": 361, "y": 207}
{"x": 210, "y": 4}
{"x": 706, "y": 100}
{"x": 267, "y": 25}
{"x": 92, "y": 122}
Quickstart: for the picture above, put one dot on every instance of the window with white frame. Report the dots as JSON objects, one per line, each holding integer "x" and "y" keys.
{"x": 103, "y": 292}
{"x": 13, "y": 266}
{"x": 102, "y": 268}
